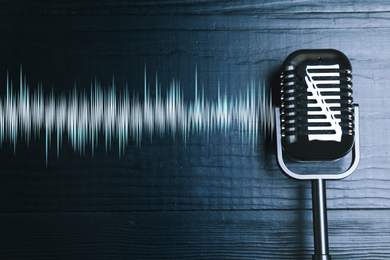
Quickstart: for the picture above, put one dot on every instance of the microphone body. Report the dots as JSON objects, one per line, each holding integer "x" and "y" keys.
{"x": 317, "y": 122}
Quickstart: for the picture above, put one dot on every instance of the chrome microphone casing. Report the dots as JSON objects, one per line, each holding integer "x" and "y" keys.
{"x": 316, "y": 110}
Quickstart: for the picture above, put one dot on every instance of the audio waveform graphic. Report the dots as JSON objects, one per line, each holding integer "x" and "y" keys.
{"x": 88, "y": 115}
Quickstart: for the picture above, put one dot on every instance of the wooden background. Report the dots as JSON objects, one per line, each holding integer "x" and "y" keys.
{"x": 216, "y": 199}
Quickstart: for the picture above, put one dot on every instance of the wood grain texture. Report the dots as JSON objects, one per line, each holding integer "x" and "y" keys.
{"x": 208, "y": 198}
{"x": 191, "y": 235}
{"x": 186, "y": 7}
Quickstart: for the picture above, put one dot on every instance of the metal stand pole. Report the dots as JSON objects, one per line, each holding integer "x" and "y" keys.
{"x": 320, "y": 221}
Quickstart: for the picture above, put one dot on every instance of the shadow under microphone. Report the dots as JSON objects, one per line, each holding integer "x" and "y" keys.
{"x": 317, "y": 122}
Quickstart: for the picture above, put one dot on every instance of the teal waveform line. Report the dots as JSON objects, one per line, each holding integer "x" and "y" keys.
{"x": 88, "y": 115}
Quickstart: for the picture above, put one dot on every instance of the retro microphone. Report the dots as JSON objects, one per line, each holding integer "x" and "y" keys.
{"x": 317, "y": 122}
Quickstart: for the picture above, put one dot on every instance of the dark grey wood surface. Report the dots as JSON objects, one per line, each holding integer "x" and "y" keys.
{"x": 207, "y": 199}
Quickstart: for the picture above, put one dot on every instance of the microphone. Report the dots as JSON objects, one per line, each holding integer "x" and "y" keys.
{"x": 317, "y": 122}
{"x": 316, "y": 109}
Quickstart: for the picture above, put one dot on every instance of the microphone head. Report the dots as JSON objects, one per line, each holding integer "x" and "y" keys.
{"x": 316, "y": 111}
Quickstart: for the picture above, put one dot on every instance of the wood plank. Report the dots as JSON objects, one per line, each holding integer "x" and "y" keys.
{"x": 191, "y": 235}
{"x": 117, "y": 7}
{"x": 278, "y": 22}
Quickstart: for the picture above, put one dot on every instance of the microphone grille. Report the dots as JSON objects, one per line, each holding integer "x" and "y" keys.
{"x": 316, "y": 104}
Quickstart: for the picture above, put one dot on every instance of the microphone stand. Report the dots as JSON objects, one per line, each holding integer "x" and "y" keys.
{"x": 320, "y": 220}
